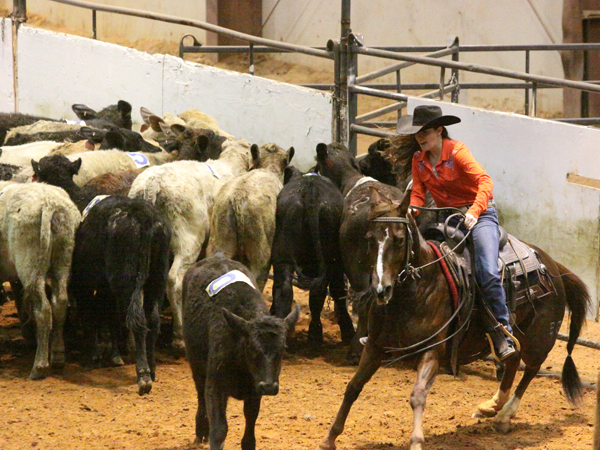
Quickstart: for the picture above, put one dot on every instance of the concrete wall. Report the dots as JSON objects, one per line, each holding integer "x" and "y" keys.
{"x": 58, "y": 70}
{"x": 528, "y": 160}
{"x": 7, "y": 98}
{"x": 383, "y": 23}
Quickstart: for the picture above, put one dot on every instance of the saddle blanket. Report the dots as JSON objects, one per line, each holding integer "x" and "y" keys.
{"x": 223, "y": 281}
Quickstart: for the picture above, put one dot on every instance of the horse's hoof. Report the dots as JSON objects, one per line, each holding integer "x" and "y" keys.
{"x": 178, "y": 347}
{"x": 324, "y": 445}
{"x": 502, "y": 427}
{"x": 39, "y": 373}
{"x": 144, "y": 384}
{"x": 485, "y": 409}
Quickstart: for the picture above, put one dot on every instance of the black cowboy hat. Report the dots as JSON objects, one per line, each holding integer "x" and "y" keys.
{"x": 424, "y": 116}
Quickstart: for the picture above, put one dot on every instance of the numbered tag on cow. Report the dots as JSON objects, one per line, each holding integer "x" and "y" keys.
{"x": 97, "y": 199}
{"x": 212, "y": 170}
{"x": 225, "y": 280}
{"x": 139, "y": 159}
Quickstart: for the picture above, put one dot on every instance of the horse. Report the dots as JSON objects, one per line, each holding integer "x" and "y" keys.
{"x": 408, "y": 317}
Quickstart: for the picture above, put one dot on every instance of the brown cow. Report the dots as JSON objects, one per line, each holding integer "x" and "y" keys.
{"x": 243, "y": 218}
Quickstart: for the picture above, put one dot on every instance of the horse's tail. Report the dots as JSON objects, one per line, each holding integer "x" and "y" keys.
{"x": 578, "y": 300}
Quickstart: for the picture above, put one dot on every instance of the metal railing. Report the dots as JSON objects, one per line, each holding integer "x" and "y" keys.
{"x": 348, "y": 86}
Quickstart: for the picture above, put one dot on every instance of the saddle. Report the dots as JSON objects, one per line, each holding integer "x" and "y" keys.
{"x": 524, "y": 277}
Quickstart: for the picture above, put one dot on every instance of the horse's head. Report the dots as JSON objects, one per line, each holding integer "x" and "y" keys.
{"x": 335, "y": 162}
{"x": 390, "y": 237}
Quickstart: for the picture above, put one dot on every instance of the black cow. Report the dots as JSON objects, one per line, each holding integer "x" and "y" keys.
{"x": 306, "y": 243}
{"x": 233, "y": 345}
{"x": 56, "y": 136}
{"x": 374, "y": 165}
{"x": 119, "y": 138}
{"x": 12, "y": 120}
{"x": 120, "y": 266}
{"x": 119, "y": 115}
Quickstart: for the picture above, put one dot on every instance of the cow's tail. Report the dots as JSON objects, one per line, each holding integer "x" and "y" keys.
{"x": 49, "y": 218}
{"x": 315, "y": 236}
{"x": 578, "y": 301}
{"x": 150, "y": 191}
{"x": 129, "y": 254}
{"x": 55, "y": 223}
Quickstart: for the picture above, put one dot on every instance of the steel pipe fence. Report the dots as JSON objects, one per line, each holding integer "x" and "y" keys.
{"x": 348, "y": 86}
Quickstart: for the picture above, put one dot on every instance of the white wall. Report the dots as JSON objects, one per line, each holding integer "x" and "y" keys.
{"x": 58, "y": 70}
{"x": 7, "y": 98}
{"x": 528, "y": 160}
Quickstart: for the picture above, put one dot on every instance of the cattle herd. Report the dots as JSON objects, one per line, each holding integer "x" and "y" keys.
{"x": 99, "y": 223}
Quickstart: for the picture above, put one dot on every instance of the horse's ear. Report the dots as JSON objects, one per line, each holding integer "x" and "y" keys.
{"x": 321, "y": 152}
{"x": 403, "y": 208}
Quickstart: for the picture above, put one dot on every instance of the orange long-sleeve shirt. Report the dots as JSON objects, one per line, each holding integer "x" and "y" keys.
{"x": 457, "y": 180}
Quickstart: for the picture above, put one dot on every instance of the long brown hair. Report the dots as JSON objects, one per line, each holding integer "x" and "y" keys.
{"x": 400, "y": 151}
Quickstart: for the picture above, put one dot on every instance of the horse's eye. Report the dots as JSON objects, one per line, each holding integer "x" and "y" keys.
{"x": 370, "y": 235}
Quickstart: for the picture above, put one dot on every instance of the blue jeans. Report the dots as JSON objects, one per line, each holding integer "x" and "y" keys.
{"x": 486, "y": 237}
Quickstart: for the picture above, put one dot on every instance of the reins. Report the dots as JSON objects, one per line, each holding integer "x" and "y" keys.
{"x": 414, "y": 273}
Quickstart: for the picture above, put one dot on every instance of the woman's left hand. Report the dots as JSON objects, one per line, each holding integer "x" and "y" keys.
{"x": 470, "y": 220}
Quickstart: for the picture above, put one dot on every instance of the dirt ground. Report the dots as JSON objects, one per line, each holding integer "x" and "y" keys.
{"x": 100, "y": 409}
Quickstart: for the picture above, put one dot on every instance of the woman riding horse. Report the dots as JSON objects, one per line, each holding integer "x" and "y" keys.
{"x": 447, "y": 169}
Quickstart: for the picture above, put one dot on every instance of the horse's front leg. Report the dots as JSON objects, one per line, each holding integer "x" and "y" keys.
{"x": 368, "y": 365}
{"x": 426, "y": 373}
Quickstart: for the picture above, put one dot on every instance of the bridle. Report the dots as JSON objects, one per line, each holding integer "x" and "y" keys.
{"x": 413, "y": 272}
{"x": 409, "y": 269}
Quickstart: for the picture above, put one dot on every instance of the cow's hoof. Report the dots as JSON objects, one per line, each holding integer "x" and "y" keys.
{"x": 347, "y": 336}
{"x": 178, "y": 347}
{"x": 144, "y": 384}
{"x": 116, "y": 361}
{"x": 39, "y": 373}
{"x": 485, "y": 409}
{"x": 58, "y": 360}
{"x": 502, "y": 427}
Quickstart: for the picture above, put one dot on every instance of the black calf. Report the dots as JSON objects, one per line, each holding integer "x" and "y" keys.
{"x": 233, "y": 345}
{"x": 120, "y": 266}
{"x": 306, "y": 242}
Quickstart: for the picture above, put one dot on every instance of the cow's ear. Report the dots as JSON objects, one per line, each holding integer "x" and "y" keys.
{"x": 321, "y": 152}
{"x": 36, "y": 167}
{"x": 254, "y": 150}
{"x": 291, "y": 153}
{"x": 177, "y": 129}
{"x": 75, "y": 166}
{"x": 236, "y": 323}
{"x": 293, "y": 317}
